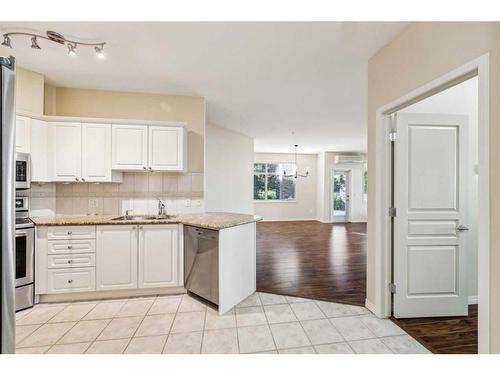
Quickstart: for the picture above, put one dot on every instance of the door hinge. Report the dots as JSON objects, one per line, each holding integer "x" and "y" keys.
{"x": 392, "y": 288}
{"x": 392, "y": 136}
{"x": 392, "y": 211}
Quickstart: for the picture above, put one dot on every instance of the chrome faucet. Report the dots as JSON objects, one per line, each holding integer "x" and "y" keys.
{"x": 127, "y": 213}
{"x": 161, "y": 207}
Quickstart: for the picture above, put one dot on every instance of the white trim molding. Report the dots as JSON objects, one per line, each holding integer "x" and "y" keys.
{"x": 382, "y": 304}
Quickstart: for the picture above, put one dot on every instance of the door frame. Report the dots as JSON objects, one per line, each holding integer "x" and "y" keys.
{"x": 381, "y": 306}
{"x": 348, "y": 173}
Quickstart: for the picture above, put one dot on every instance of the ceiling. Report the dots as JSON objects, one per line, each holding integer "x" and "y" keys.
{"x": 280, "y": 83}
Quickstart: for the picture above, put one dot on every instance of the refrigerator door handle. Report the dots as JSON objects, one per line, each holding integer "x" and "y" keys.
{"x": 7, "y": 291}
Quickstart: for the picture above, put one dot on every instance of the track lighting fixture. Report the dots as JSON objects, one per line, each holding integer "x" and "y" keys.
{"x": 55, "y": 37}
{"x": 71, "y": 49}
{"x": 34, "y": 43}
{"x": 99, "y": 52}
{"x": 6, "y": 41}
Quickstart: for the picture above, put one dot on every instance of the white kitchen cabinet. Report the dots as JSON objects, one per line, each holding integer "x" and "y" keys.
{"x": 158, "y": 256}
{"x": 167, "y": 148}
{"x": 42, "y": 151}
{"x": 23, "y": 135}
{"x": 129, "y": 147}
{"x": 67, "y": 151}
{"x": 71, "y": 280}
{"x": 96, "y": 154}
{"x": 116, "y": 257}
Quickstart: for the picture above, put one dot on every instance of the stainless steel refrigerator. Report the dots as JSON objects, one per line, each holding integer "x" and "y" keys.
{"x": 7, "y": 191}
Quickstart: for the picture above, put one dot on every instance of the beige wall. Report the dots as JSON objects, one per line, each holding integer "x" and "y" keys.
{"x": 420, "y": 54}
{"x": 128, "y": 105}
{"x": 228, "y": 170}
{"x": 29, "y": 91}
{"x": 304, "y": 206}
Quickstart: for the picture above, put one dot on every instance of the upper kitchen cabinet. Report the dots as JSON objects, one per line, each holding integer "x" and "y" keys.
{"x": 149, "y": 148}
{"x": 96, "y": 154}
{"x": 167, "y": 148}
{"x": 23, "y": 136}
{"x": 67, "y": 151}
{"x": 42, "y": 148}
{"x": 130, "y": 147}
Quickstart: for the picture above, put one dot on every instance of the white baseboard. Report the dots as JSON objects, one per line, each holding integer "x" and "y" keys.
{"x": 371, "y": 306}
{"x": 472, "y": 300}
{"x": 304, "y": 219}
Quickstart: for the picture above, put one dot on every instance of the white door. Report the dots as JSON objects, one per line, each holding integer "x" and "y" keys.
{"x": 23, "y": 134}
{"x": 42, "y": 151}
{"x": 430, "y": 201}
{"x": 158, "y": 256}
{"x": 67, "y": 151}
{"x": 340, "y": 196}
{"x": 96, "y": 152}
{"x": 165, "y": 148}
{"x": 116, "y": 257}
{"x": 130, "y": 147}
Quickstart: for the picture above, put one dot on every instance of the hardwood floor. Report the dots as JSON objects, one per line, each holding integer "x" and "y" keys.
{"x": 328, "y": 262}
{"x": 313, "y": 260}
{"x": 450, "y": 335}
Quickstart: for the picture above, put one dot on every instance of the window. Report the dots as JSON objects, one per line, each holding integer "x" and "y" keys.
{"x": 269, "y": 184}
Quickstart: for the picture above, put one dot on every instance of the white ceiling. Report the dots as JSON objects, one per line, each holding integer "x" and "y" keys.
{"x": 281, "y": 83}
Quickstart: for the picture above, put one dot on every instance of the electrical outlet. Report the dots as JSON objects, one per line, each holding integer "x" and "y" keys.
{"x": 93, "y": 203}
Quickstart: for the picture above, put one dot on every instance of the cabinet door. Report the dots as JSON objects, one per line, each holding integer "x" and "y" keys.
{"x": 166, "y": 148}
{"x": 23, "y": 134}
{"x": 67, "y": 151}
{"x": 158, "y": 256}
{"x": 96, "y": 152}
{"x": 129, "y": 147}
{"x": 42, "y": 151}
{"x": 116, "y": 257}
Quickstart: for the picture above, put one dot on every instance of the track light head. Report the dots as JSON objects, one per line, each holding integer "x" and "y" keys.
{"x": 34, "y": 43}
{"x": 6, "y": 41}
{"x": 71, "y": 49}
{"x": 99, "y": 51}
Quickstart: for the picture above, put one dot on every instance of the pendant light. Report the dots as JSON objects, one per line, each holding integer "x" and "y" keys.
{"x": 296, "y": 174}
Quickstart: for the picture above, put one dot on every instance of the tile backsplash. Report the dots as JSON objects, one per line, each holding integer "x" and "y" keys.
{"x": 181, "y": 193}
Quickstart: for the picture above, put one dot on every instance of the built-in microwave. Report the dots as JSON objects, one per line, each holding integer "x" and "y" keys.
{"x": 22, "y": 170}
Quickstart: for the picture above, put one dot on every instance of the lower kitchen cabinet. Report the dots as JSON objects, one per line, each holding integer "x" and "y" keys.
{"x": 71, "y": 280}
{"x": 158, "y": 256}
{"x": 116, "y": 257}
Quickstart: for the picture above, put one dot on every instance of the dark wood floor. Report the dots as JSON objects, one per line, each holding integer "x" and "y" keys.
{"x": 313, "y": 260}
{"x": 328, "y": 262}
{"x": 450, "y": 335}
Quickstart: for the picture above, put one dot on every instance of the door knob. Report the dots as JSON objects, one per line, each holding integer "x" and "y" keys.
{"x": 462, "y": 228}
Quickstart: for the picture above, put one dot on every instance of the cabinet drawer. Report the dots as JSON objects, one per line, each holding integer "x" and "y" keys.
{"x": 71, "y": 260}
{"x": 70, "y": 247}
{"x": 71, "y": 232}
{"x": 71, "y": 280}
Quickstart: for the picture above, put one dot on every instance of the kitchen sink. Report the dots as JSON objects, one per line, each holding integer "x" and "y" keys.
{"x": 141, "y": 217}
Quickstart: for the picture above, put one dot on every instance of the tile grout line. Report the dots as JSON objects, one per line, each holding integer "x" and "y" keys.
{"x": 142, "y": 320}
{"x": 301, "y": 326}
{"x": 267, "y": 320}
{"x": 171, "y": 325}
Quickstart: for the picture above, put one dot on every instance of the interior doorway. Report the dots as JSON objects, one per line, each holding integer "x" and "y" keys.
{"x": 429, "y": 239}
{"x": 340, "y": 196}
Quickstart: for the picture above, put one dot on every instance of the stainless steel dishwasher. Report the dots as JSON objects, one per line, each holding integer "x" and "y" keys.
{"x": 201, "y": 262}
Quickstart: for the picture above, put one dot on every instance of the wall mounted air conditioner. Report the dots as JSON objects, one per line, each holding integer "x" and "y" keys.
{"x": 349, "y": 159}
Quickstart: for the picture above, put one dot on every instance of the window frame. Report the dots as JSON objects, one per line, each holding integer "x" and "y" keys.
{"x": 266, "y": 174}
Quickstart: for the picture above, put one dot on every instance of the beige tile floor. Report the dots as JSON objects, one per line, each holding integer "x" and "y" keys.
{"x": 263, "y": 323}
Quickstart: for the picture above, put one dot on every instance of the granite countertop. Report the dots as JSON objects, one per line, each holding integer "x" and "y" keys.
{"x": 209, "y": 220}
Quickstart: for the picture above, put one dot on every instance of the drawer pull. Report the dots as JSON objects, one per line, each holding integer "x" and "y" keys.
{"x": 70, "y": 281}
{"x": 70, "y": 247}
{"x": 70, "y": 232}
{"x": 70, "y": 261}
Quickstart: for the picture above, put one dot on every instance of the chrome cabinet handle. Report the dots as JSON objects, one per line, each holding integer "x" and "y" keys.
{"x": 143, "y": 167}
{"x": 151, "y": 169}
{"x": 70, "y": 232}
{"x": 462, "y": 228}
{"x": 70, "y": 281}
{"x": 83, "y": 179}
{"x": 70, "y": 261}
{"x": 70, "y": 247}
{"x": 76, "y": 178}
